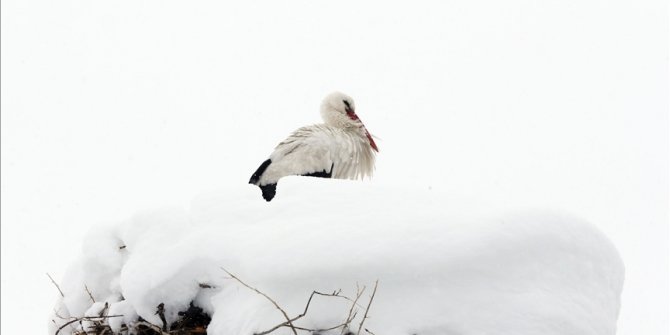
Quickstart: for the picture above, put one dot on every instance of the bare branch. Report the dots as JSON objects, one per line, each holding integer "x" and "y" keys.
{"x": 58, "y": 287}
{"x": 60, "y": 317}
{"x": 352, "y": 314}
{"x": 309, "y": 301}
{"x": 290, "y": 323}
{"x": 322, "y": 329}
{"x": 284, "y": 324}
{"x": 89, "y": 293}
{"x": 104, "y": 310}
{"x": 147, "y": 324}
{"x": 160, "y": 311}
{"x": 365, "y": 316}
{"x": 85, "y": 318}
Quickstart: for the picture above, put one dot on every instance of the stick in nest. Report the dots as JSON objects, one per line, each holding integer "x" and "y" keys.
{"x": 365, "y": 316}
{"x": 304, "y": 312}
{"x": 160, "y": 310}
{"x": 150, "y": 325}
{"x": 352, "y": 314}
{"x": 89, "y": 293}
{"x": 58, "y": 287}
{"x": 86, "y": 318}
{"x": 290, "y": 323}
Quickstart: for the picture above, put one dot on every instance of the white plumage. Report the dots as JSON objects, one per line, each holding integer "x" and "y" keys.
{"x": 339, "y": 148}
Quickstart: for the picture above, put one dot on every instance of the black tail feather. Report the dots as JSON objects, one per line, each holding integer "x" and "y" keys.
{"x": 259, "y": 172}
{"x": 269, "y": 191}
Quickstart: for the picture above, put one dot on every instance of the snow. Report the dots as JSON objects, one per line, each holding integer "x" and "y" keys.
{"x": 121, "y": 308}
{"x": 96, "y": 310}
{"x": 443, "y": 265}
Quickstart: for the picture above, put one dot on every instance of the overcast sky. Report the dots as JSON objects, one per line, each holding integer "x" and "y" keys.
{"x": 113, "y": 107}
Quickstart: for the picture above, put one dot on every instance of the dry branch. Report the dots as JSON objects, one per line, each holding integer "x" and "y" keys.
{"x": 160, "y": 311}
{"x": 365, "y": 316}
{"x": 352, "y": 315}
{"x": 309, "y": 301}
{"x": 85, "y": 318}
{"x": 290, "y": 323}
{"x": 154, "y": 327}
{"x": 59, "y": 316}
{"x": 58, "y": 287}
{"x": 89, "y": 293}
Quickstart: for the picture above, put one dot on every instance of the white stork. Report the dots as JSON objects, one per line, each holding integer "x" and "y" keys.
{"x": 341, "y": 148}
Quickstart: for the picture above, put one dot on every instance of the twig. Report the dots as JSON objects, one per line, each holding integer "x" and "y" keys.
{"x": 60, "y": 317}
{"x": 104, "y": 309}
{"x": 102, "y": 313}
{"x": 87, "y": 318}
{"x": 322, "y": 330}
{"x": 290, "y": 323}
{"x": 161, "y": 313}
{"x": 149, "y": 325}
{"x": 365, "y": 316}
{"x": 352, "y": 315}
{"x": 309, "y": 301}
{"x": 58, "y": 287}
{"x": 89, "y": 293}
{"x": 305, "y": 329}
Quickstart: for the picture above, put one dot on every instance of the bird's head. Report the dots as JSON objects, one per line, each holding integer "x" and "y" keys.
{"x": 339, "y": 110}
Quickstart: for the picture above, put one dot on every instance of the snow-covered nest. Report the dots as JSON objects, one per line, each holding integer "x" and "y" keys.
{"x": 442, "y": 267}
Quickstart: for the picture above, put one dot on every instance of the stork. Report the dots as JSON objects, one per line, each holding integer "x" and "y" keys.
{"x": 340, "y": 148}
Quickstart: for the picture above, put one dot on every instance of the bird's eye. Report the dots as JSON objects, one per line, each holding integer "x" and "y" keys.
{"x": 346, "y": 103}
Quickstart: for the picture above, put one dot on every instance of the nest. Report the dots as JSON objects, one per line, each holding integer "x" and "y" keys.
{"x": 194, "y": 320}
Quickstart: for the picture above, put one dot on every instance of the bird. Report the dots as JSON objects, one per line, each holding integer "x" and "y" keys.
{"x": 341, "y": 147}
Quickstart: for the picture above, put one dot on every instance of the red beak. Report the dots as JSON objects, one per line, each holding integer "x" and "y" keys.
{"x": 352, "y": 115}
{"x": 372, "y": 142}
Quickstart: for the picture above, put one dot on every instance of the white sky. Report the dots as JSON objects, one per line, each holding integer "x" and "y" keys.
{"x": 113, "y": 107}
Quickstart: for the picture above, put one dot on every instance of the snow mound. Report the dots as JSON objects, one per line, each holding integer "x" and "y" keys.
{"x": 443, "y": 267}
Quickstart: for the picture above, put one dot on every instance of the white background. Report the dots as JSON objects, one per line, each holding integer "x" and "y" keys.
{"x": 113, "y": 107}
